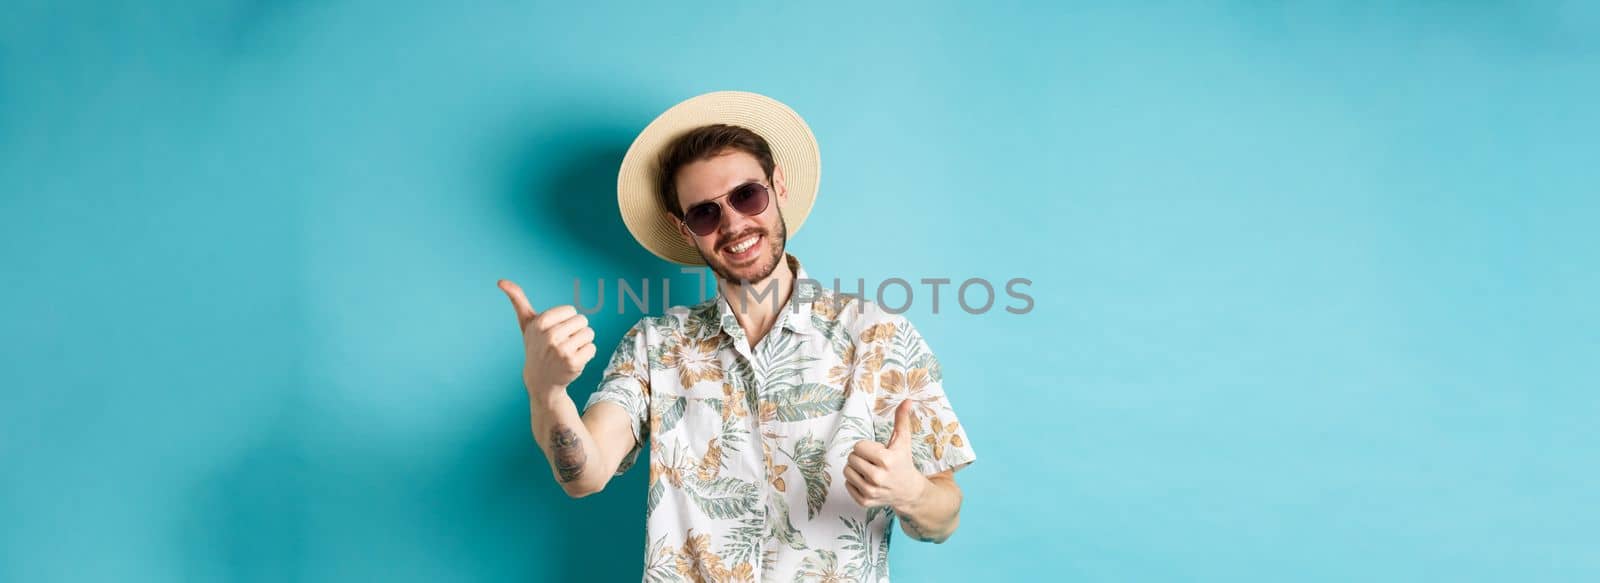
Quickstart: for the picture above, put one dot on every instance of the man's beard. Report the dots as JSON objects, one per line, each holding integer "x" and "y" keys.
{"x": 762, "y": 267}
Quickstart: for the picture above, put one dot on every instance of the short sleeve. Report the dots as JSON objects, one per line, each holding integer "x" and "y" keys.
{"x": 626, "y": 382}
{"x": 911, "y": 371}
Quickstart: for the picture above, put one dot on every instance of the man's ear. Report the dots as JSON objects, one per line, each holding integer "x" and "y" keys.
{"x": 683, "y": 231}
{"x": 777, "y": 183}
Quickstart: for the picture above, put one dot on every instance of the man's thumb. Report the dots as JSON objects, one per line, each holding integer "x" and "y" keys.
{"x": 902, "y": 425}
{"x": 519, "y": 301}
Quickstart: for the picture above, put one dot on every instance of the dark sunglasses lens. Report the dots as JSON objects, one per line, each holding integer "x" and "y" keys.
{"x": 703, "y": 218}
{"x": 750, "y": 199}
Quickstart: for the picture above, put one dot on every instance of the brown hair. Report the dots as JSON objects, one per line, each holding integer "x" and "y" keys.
{"x": 703, "y": 143}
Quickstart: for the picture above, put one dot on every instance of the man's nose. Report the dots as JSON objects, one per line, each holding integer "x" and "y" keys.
{"x": 734, "y": 222}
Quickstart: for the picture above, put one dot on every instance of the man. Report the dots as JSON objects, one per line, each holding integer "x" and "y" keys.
{"x": 789, "y": 425}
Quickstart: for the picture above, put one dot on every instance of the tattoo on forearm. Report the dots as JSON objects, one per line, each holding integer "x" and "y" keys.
{"x": 915, "y": 530}
{"x": 567, "y": 453}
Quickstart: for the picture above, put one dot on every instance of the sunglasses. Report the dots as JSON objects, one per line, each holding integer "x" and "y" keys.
{"x": 750, "y": 199}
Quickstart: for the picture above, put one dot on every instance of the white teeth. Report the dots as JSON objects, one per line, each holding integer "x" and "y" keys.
{"x": 742, "y": 247}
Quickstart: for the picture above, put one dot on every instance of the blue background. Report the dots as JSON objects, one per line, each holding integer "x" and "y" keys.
{"x": 1315, "y": 284}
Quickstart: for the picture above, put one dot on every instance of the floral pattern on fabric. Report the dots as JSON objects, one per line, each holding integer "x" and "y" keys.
{"x": 748, "y": 444}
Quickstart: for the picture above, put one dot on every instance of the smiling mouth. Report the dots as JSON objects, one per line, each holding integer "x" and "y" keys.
{"x": 743, "y": 248}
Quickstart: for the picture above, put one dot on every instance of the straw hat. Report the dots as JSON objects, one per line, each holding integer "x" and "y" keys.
{"x": 794, "y": 149}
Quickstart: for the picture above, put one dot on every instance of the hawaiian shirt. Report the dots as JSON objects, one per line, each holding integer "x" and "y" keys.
{"x": 748, "y": 445}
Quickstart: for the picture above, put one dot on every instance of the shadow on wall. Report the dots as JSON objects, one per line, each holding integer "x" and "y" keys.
{"x": 566, "y": 180}
{"x": 306, "y": 500}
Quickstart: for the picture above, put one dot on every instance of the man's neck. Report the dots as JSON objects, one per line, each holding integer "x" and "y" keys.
{"x": 756, "y": 304}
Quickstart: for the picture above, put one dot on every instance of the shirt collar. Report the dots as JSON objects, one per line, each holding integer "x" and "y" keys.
{"x": 795, "y": 315}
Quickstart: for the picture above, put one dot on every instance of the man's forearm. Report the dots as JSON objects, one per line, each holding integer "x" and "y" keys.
{"x": 933, "y": 516}
{"x": 560, "y": 432}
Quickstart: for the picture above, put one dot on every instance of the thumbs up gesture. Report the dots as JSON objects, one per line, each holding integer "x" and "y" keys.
{"x": 558, "y": 342}
{"x": 885, "y": 475}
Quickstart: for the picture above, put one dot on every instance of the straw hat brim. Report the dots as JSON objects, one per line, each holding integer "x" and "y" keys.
{"x": 794, "y": 149}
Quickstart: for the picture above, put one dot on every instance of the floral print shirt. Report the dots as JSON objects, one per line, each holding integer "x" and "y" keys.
{"x": 748, "y": 445}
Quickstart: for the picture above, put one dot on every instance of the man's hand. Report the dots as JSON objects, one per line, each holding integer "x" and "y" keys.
{"x": 929, "y": 507}
{"x": 558, "y": 343}
{"x": 885, "y": 475}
